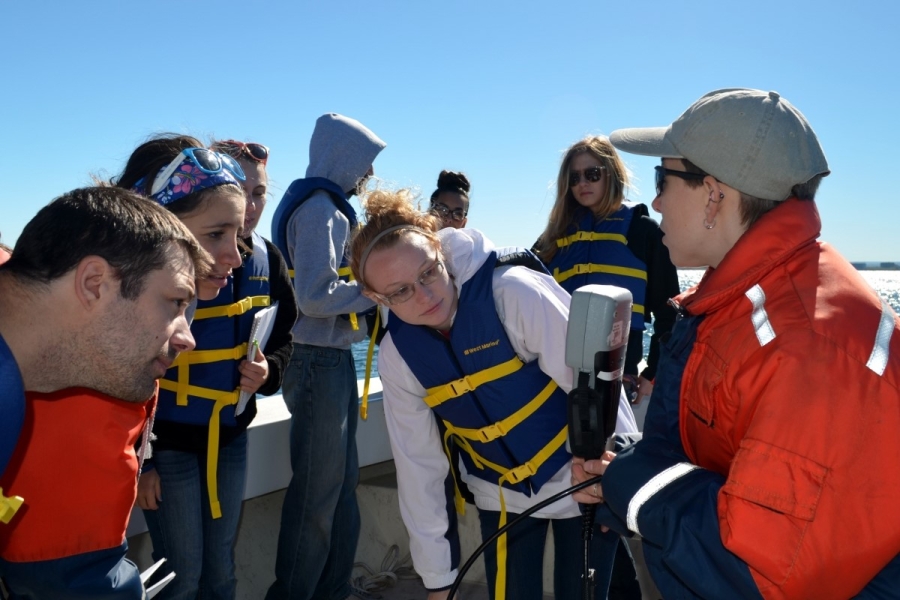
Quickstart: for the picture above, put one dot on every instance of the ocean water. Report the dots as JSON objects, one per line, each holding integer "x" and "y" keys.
{"x": 886, "y": 283}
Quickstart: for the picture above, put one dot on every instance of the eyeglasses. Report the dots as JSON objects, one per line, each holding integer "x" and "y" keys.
{"x": 592, "y": 174}
{"x": 406, "y": 292}
{"x": 444, "y": 212}
{"x": 661, "y": 173}
{"x": 207, "y": 161}
{"x": 236, "y": 149}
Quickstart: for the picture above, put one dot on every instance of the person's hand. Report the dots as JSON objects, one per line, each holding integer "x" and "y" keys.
{"x": 645, "y": 388}
{"x": 442, "y": 595}
{"x": 149, "y": 491}
{"x": 583, "y": 470}
{"x": 253, "y": 373}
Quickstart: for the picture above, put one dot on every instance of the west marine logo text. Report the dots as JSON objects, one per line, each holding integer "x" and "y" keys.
{"x": 484, "y": 346}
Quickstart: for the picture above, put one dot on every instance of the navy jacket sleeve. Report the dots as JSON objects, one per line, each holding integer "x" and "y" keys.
{"x": 104, "y": 574}
{"x": 653, "y": 488}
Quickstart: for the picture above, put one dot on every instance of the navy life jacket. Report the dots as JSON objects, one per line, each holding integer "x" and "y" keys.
{"x": 597, "y": 253}
{"x": 508, "y": 417}
{"x": 202, "y": 385}
{"x": 297, "y": 193}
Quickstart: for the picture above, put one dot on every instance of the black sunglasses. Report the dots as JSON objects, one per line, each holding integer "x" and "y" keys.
{"x": 592, "y": 174}
{"x": 661, "y": 173}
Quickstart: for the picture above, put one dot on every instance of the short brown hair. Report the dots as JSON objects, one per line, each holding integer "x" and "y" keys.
{"x": 131, "y": 233}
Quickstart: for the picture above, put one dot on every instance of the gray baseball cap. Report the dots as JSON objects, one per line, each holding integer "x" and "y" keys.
{"x": 751, "y": 140}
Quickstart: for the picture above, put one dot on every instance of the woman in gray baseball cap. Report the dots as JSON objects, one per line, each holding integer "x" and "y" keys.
{"x": 766, "y": 467}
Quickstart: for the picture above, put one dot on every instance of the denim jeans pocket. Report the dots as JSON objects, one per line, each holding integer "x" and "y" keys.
{"x": 327, "y": 358}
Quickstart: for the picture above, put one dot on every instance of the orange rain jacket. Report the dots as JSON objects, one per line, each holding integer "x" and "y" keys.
{"x": 789, "y": 405}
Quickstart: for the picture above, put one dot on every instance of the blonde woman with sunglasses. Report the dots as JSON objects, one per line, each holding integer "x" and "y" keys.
{"x": 459, "y": 308}
{"x": 593, "y": 236}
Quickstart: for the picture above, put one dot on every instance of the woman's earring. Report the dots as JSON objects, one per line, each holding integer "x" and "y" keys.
{"x": 709, "y": 225}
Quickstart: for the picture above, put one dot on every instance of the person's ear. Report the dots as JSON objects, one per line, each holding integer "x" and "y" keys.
{"x": 373, "y": 297}
{"x": 716, "y": 194}
{"x": 95, "y": 281}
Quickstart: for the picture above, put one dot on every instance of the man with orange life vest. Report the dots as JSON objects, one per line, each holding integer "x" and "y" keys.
{"x": 311, "y": 225}
{"x": 92, "y": 312}
{"x": 768, "y": 463}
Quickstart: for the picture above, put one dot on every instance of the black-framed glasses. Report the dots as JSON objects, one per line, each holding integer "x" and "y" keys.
{"x": 661, "y": 173}
{"x": 427, "y": 277}
{"x": 444, "y": 212}
{"x": 592, "y": 174}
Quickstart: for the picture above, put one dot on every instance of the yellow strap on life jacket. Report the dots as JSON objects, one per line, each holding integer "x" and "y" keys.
{"x": 343, "y": 271}
{"x": 590, "y": 236}
{"x": 197, "y": 357}
{"x": 584, "y": 269}
{"x": 233, "y": 310}
{"x": 364, "y": 406}
{"x": 348, "y": 273}
{"x": 493, "y": 431}
{"x": 8, "y": 506}
{"x": 441, "y": 393}
{"x": 515, "y": 475}
{"x": 221, "y": 399}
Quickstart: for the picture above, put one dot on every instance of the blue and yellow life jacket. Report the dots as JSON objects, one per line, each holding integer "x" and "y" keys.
{"x": 508, "y": 417}
{"x": 596, "y": 252}
{"x": 12, "y": 409}
{"x": 297, "y": 193}
{"x": 202, "y": 385}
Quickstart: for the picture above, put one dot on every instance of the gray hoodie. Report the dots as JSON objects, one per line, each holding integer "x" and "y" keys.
{"x": 341, "y": 150}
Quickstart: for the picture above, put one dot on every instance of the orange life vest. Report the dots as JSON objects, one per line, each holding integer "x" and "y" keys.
{"x": 76, "y": 466}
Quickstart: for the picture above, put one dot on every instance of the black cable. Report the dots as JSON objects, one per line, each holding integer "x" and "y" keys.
{"x": 587, "y": 534}
{"x": 465, "y": 568}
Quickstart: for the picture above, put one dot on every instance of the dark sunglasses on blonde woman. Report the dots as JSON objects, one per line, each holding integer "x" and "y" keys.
{"x": 592, "y": 174}
{"x": 237, "y": 149}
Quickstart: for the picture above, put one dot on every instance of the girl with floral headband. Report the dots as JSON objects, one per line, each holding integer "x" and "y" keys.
{"x": 191, "y": 489}
{"x": 462, "y": 310}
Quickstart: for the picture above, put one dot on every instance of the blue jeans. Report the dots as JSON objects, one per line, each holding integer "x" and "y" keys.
{"x": 525, "y": 557}
{"x": 197, "y": 547}
{"x": 320, "y": 517}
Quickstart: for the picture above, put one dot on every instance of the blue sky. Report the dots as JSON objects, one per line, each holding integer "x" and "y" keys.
{"x": 495, "y": 88}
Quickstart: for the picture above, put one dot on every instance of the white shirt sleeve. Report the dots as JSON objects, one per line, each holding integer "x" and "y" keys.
{"x": 421, "y": 467}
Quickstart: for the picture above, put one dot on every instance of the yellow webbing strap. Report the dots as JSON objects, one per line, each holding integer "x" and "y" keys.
{"x": 441, "y": 393}
{"x": 233, "y": 310}
{"x": 584, "y": 269}
{"x": 348, "y": 273}
{"x": 590, "y": 236}
{"x": 8, "y": 506}
{"x": 364, "y": 407}
{"x": 491, "y": 432}
{"x": 515, "y": 475}
{"x": 354, "y": 322}
{"x": 221, "y": 399}
{"x": 198, "y": 357}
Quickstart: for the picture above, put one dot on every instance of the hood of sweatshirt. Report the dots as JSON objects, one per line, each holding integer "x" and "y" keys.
{"x": 465, "y": 251}
{"x": 342, "y": 150}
